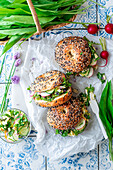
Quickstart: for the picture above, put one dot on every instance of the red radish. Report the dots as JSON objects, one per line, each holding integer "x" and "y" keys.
{"x": 104, "y": 54}
{"x": 109, "y": 28}
{"x": 32, "y": 94}
{"x": 16, "y": 121}
{"x": 92, "y": 29}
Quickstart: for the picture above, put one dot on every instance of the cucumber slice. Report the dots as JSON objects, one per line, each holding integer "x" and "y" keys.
{"x": 96, "y": 56}
{"x": 90, "y": 72}
{"x": 44, "y": 94}
{"x": 24, "y": 131}
{"x": 15, "y": 136}
{"x": 85, "y": 72}
{"x": 81, "y": 126}
{"x": 50, "y": 91}
{"x": 62, "y": 87}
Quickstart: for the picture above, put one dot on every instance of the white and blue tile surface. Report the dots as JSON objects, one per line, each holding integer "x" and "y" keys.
{"x": 25, "y": 155}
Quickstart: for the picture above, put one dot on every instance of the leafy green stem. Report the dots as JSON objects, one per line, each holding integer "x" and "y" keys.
{"x": 3, "y": 104}
{"x": 1, "y": 69}
{"x": 97, "y": 3}
{"x": 108, "y": 18}
{"x": 110, "y": 149}
{"x": 103, "y": 43}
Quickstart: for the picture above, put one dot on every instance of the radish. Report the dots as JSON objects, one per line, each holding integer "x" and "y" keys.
{"x": 16, "y": 121}
{"x": 93, "y": 63}
{"x": 32, "y": 94}
{"x": 104, "y": 54}
{"x": 92, "y": 29}
{"x": 109, "y": 26}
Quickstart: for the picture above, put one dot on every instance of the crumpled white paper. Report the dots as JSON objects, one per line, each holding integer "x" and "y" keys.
{"x": 39, "y": 57}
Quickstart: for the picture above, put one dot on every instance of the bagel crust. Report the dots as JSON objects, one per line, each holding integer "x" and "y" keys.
{"x": 73, "y": 54}
{"x": 57, "y": 101}
{"x": 66, "y": 116}
{"x": 47, "y": 81}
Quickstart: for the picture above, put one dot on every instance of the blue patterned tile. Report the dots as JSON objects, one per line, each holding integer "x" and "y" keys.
{"x": 22, "y": 156}
{"x": 71, "y": 32}
{"x": 104, "y": 161}
{"x": 80, "y": 161}
{"x": 104, "y": 34}
{"x": 37, "y": 37}
{"x": 103, "y": 12}
{"x": 89, "y": 17}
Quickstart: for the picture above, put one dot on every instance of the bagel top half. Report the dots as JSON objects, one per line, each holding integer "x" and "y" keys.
{"x": 73, "y": 54}
{"x": 48, "y": 81}
{"x": 51, "y": 89}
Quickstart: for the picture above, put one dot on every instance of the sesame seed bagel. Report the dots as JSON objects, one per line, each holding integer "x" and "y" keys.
{"x": 47, "y": 81}
{"x": 57, "y": 101}
{"x": 66, "y": 116}
{"x": 73, "y": 54}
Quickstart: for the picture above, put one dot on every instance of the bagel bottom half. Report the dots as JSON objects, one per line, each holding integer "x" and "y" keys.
{"x": 57, "y": 101}
{"x": 68, "y": 119}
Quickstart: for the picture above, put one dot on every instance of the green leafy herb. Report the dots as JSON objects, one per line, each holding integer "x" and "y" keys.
{"x": 93, "y": 50}
{"x": 81, "y": 53}
{"x": 86, "y": 116}
{"x": 85, "y": 97}
{"x": 57, "y": 131}
{"x": 16, "y": 21}
{"x": 11, "y": 133}
{"x": 68, "y": 74}
{"x": 76, "y": 132}
{"x": 101, "y": 77}
{"x": 29, "y": 88}
{"x": 89, "y": 89}
{"x": 106, "y": 114}
{"x": 66, "y": 82}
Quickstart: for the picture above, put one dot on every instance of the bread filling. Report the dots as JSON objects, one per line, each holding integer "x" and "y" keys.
{"x": 52, "y": 94}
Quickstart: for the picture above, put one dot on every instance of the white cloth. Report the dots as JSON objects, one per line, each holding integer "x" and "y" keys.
{"x": 48, "y": 142}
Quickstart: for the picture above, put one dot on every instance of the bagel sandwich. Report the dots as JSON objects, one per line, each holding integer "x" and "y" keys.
{"x": 51, "y": 89}
{"x": 76, "y": 55}
{"x": 68, "y": 119}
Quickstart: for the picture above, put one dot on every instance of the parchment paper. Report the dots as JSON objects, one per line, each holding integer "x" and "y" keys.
{"x": 39, "y": 57}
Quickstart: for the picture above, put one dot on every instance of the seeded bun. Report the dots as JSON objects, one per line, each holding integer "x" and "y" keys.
{"x": 73, "y": 54}
{"x": 66, "y": 116}
{"x": 57, "y": 101}
{"x": 47, "y": 89}
{"x": 48, "y": 81}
